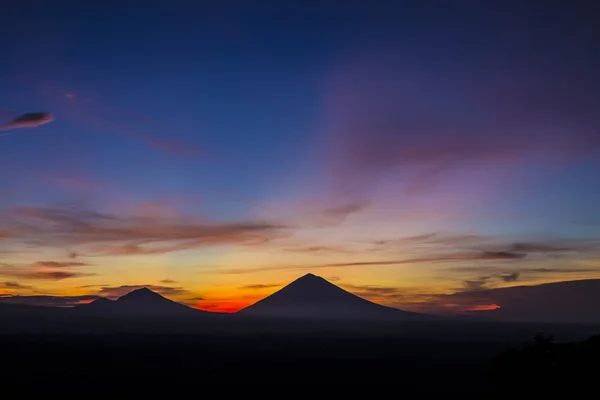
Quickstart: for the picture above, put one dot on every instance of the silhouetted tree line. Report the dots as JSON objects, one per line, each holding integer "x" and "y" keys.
{"x": 545, "y": 365}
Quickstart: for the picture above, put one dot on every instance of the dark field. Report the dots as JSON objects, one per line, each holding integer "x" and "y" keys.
{"x": 114, "y": 361}
{"x": 263, "y": 360}
{"x": 426, "y": 357}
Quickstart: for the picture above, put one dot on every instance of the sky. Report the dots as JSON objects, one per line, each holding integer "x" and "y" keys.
{"x": 410, "y": 152}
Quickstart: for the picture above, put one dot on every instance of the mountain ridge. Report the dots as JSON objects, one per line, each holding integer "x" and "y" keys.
{"x": 139, "y": 302}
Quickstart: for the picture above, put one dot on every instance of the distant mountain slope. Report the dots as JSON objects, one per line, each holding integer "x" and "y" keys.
{"x": 8, "y": 310}
{"x": 569, "y": 302}
{"x": 314, "y": 297}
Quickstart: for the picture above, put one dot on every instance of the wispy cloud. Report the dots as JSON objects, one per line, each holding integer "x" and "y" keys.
{"x": 542, "y": 248}
{"x": 489, "y": 277}
{"x": 96, "y": 233}
{"x": 498, "y": 270}
{"x": 400, "y": 297}
{"x": 175, "y": 148}
{"x": 476, "y": 284}
{"x": 27, "y": 272}
{"x": 49, "y": 301}
{"x": 442, "y": 258}
{"x": 61, "y": 264}
{"x": 512, "y": 277}
{"x": 261, "y": 286}
{"x": 91, "y": 113}
{"x": 29, "y": 120}
{"x": 337, "y": 214}
{"x": 315, "y": 249}
{"x": 450, "y": 257}
{"x": 16, "y": 285}
{"x": 386, "y": 115}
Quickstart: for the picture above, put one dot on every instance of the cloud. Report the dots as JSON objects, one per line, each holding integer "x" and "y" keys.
{"x": 49, "y": 301}
{"x": 93, "y": 286}
{"x": 487, "y": 277}
{"x": 552, "y": 248}
{"x": 15, "y": 285}
{"x": 371, "y": 290}
{"x": 388, "y": 117}
{"x": 91, "y": 113}
{"x": 35, "y": 273}
{"x": 447, "y": 239}
{"x": 175, "y": 148}
{"x": 419, "y": 299}
{"x": 58, "y": 264}
{"x": 531, "y": 246}
{"x": 451, "y": 257}
{"x": 399, "y": 297}
{"x": 168, "y": 281}
{"x": 97, "y": 233}
{"x": 261, "y": 286}
{"x": 540, "y": 248}
{"x": 512, "y": 277}
{"x": 337, "y": 214}
{"x": 523, "y": 270}
{"x": 560, "y": 270}
{"x": 54, "y": 275}
{"x": 315, "y": 249}
{"x": 28, "y": 120}
{"x": 476, "y": 284}
{"x": 316, "y": 211}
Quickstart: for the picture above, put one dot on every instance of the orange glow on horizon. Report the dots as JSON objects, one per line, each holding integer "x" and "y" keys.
{"x": 224, "y": 306}
{"x": 489, "y": 307}
{"x": 85, "y": 301}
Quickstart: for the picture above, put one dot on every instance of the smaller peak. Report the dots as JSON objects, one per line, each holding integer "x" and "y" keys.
{"x": 102, "y": 300}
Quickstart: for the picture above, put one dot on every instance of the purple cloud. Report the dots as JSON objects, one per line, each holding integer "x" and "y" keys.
{"x": 28, "y": 120}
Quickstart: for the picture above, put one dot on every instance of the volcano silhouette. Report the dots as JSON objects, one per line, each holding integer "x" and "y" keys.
{"x": 140, "y": 302}
{"x": 312, "y": 297}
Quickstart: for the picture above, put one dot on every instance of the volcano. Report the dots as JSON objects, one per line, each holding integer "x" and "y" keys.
{"x": 312, "y": 297}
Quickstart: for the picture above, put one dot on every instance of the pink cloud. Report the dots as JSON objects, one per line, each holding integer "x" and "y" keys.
{"x": 97, "y": 233}
{"x": 384, "y": 117}
{"x": 93, "y": 114}
{"x": 175, "y": 148}
{"x": 75, "y": 179}
{"x": 29, "y": 120}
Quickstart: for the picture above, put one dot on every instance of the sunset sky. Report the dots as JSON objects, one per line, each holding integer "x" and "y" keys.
{"x": 410, "y": 152}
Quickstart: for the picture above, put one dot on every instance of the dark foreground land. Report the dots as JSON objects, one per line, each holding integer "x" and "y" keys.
{"x": 110, "y": 361}
{"x": 262, "y": 360}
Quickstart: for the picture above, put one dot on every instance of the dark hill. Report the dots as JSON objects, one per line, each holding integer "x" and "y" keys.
{"x": 140, "y": 302}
